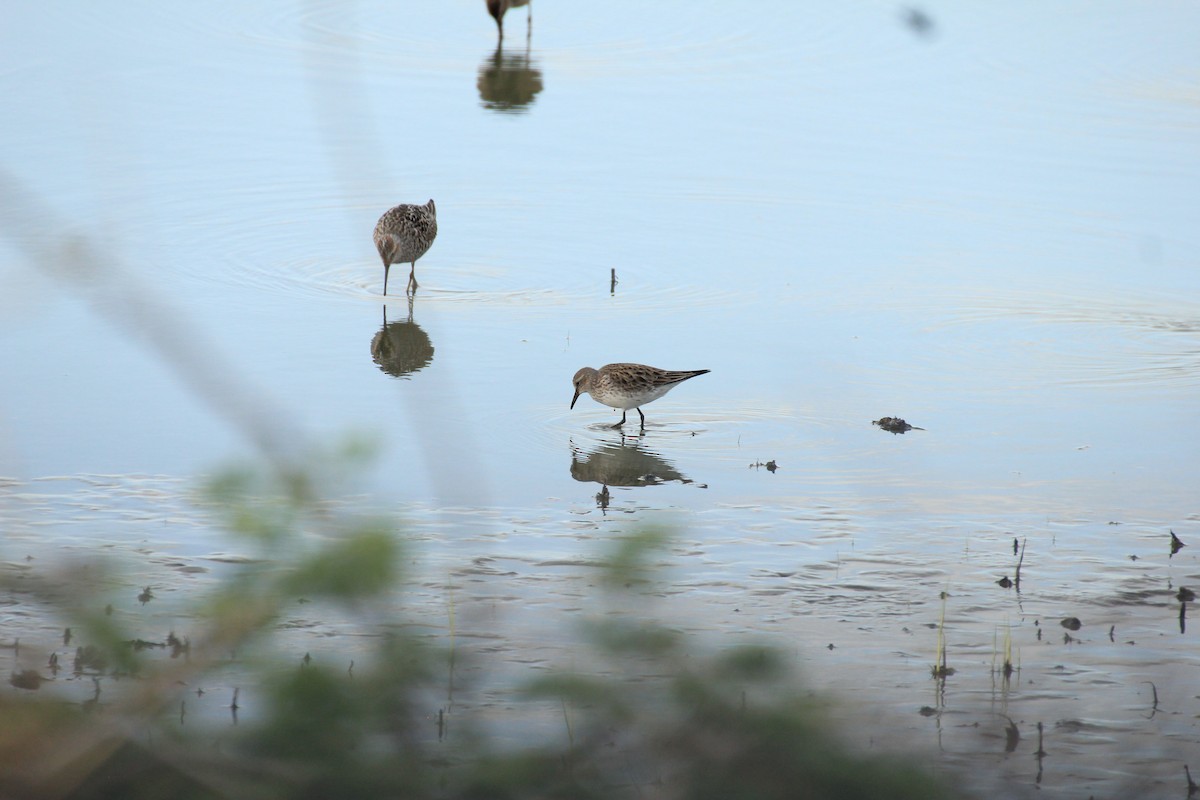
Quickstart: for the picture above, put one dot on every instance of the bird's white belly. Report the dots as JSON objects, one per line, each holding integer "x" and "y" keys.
{"x": 628, "y": 400}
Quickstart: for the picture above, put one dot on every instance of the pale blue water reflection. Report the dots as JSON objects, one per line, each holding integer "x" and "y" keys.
{"x": 986, "y": 227}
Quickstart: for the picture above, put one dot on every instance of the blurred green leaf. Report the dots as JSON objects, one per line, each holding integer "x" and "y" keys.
{"x": 361, "y": 565}
{"x": 628, "y": 562}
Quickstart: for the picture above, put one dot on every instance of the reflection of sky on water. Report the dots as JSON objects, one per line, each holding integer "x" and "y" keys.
{"x": 842, "y": 219}
{"x": 842, "y": 216}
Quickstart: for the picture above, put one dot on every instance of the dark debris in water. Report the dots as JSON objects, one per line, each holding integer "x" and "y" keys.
{"x": 770, "y": 466}
{"x": 1012, "y": 736}
{"x": 1176, "y": 543}
{"x": 27, "y": 679}
{"x": 895, "y": 425}
{"x": 178, "y": 646}
{"x": 90, "y": 657}
{"x": 1071, "y": 623}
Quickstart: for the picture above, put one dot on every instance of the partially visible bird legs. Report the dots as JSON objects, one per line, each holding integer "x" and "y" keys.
{"x": 640, "y": 414}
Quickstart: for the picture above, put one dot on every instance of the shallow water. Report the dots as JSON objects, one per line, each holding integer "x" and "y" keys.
{"x": 986, "y": 228}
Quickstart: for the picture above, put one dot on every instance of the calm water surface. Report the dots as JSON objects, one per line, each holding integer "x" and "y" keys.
{"x": 986, "y": 227}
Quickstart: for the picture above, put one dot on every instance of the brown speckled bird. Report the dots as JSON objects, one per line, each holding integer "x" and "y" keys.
{"x": 627, "y": 386}
{"x": 404, "y": 234}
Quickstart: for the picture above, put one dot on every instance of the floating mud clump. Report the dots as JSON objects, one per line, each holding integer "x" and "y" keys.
{"x": 895, "y": 425}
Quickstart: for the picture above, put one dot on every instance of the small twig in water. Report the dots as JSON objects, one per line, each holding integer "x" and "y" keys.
{"x": 1154, "y": 690}
{"x": 567, "y": 720}
{"x": 1020, "y": 561}
{"x": 940, "y": 669}
{"x": 1012, "y": 735}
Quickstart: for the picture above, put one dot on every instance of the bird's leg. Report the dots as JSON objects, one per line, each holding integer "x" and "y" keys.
{"x": 643, "y": 416}
{"x": 622, "y": 422}
{"x": 412, "y": 278}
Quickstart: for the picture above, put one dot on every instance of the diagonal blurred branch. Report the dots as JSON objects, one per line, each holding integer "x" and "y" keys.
{"x": 79, "y": 262}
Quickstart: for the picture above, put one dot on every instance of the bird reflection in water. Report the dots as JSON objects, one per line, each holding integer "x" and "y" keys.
{"x": 401, "y": 348}
{"x": 624, "y": 462}
{"x": 509, "y": 82}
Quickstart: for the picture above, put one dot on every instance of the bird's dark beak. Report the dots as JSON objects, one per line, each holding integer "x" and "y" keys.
{"x": 576, "y": 397}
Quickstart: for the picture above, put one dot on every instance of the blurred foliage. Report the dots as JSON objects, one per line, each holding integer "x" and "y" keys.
{"x": 652, "y": 715}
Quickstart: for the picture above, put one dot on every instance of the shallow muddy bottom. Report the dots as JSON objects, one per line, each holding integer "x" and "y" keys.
{"x": 854, "y": 602}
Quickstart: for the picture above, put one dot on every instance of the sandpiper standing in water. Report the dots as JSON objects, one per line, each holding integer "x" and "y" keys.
{"x": 402, "y": 235}
{"x": 627, "y": 386}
